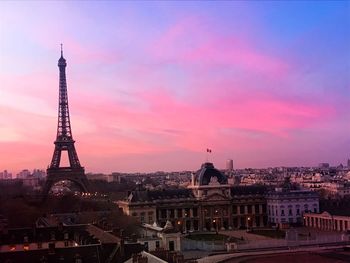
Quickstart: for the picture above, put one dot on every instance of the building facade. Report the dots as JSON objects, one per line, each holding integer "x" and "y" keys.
{"x": 288, "y": 206}
{"x": 208, "y": 204}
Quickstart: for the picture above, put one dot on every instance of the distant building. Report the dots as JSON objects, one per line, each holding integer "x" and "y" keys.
{"x": 23, "y": 174}
{"x": 288, "y": 206}
{"x": 39, "y": 173}
{"x": 348, "y": 163}
{"x": 337, "y": 189}
{"x": 229, "y": 165}
{"x": 5, "y": 175}
{"x": 102, "y": 177}
{"x": 208, "y": 204}
{"x": 323, "y": 165}
{"x": 155, "y": 237}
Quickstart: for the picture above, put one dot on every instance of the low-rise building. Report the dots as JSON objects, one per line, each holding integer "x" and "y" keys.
{"x": 288, "y": 206}
{"x": 327, "y": 221}
{"x": 154, "y": 237}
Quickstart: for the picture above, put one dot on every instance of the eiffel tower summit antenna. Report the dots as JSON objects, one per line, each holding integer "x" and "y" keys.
{"x": 64, "y": 141}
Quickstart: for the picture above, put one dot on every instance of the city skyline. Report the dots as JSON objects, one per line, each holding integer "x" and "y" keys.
{"x": 152, "y": 92}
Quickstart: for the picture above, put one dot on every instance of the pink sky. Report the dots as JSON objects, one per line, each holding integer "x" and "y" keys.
{"x": 151, "y": 86}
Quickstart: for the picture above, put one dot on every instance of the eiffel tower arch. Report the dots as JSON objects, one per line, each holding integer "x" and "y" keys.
{"x": 64, "y": 142}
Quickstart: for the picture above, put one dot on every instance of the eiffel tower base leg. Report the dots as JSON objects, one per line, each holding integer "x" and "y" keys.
{"x": 75, "y": 175}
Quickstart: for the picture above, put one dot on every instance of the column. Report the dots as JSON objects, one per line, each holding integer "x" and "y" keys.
{"x": 200, "y": 218}
{"x": 230, "y": 212}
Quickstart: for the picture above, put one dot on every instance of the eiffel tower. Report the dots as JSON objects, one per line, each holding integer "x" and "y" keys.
{"x": 64, "y": 142}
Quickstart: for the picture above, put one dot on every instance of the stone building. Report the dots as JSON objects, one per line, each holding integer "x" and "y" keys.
{"x": 288, "y": 206}
{"x": 208, "y": 204}
{"x": 327, "y": 221}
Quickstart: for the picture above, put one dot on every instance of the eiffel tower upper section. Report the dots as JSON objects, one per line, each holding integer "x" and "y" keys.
{"x": 64, "y": 140}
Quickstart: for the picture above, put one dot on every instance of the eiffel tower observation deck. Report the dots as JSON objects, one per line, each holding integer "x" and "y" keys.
{"x": 64, "y": 142}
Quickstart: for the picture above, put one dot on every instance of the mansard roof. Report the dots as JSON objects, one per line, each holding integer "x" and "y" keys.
{"x": 249, "y": 190}
{"x": 149, "y": 196}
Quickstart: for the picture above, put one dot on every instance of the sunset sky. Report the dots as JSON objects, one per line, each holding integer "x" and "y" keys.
{"x": 153, "y": 84}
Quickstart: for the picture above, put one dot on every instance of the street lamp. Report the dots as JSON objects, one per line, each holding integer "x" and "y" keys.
{"x": 248, "y": 223}
{"x": 179, "y": 225}
{"x": 216, "y": 225}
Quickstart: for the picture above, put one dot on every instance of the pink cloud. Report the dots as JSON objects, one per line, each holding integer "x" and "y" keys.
{"x": 192, "y": 42}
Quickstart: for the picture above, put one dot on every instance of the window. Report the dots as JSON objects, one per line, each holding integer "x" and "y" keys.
{"x": 234, "y": 209}
{"x": 241, "y": 209}
{"x": 157, "y": 244}
{"x": 171, "y": 245}
{"x": 206, "y": 213}
{"x": 249, "y": 209}
{"x": 195, "y": 224}
{"x": 195, "y": 212}
{"x": 142, "y": 217}
{"x": 257, "y": 221}
{"x": 163, "y": 213}
{"x": 298, "y": 211}
{"x": 282, "y": 212}
{"x": 243, "y": 222}
{"x": 257, "y": 211}
{"x": 179, "y": 213}
{"x": 290, "y": 212}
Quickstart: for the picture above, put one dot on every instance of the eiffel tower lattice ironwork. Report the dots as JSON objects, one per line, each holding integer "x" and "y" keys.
{"x": 64, "y": 142}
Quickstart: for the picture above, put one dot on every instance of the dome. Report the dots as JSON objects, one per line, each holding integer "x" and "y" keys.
{"x": 205, "y": 174}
